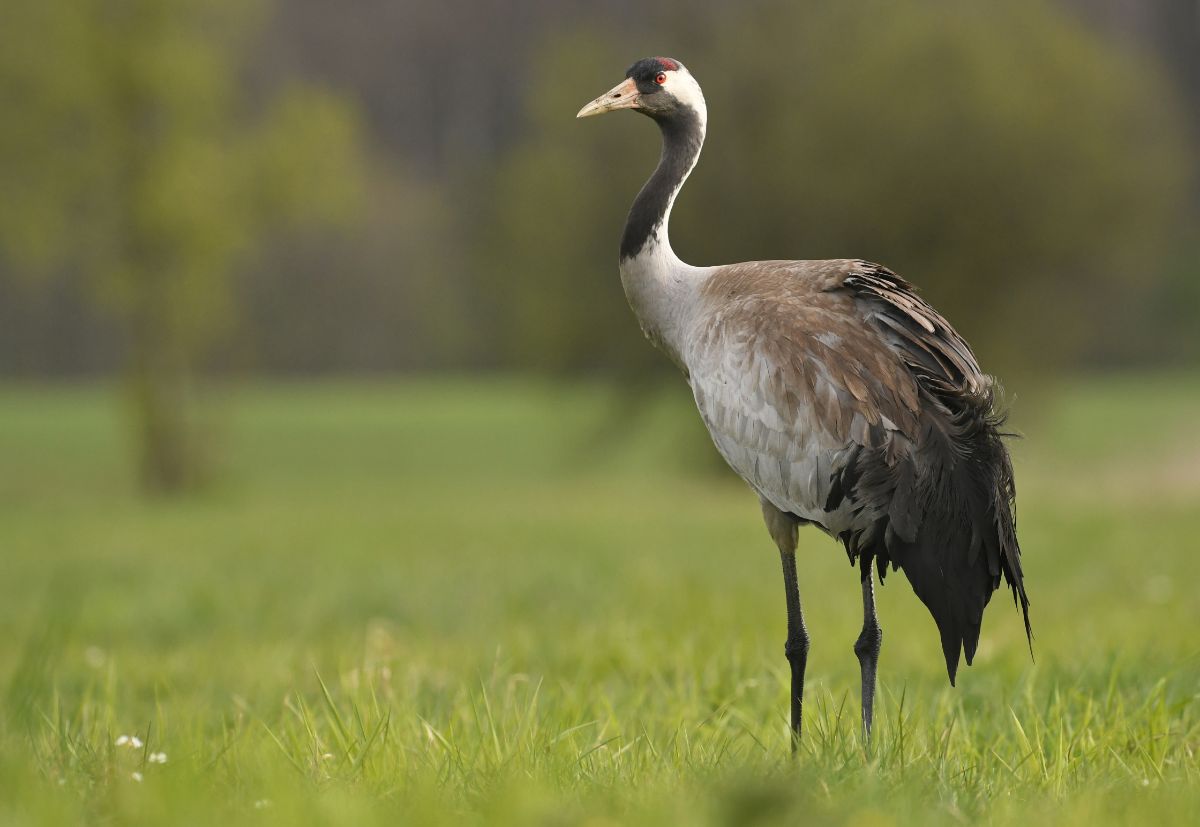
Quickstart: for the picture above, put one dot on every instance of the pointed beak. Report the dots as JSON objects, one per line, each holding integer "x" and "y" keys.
{"x": 622, "y": 96}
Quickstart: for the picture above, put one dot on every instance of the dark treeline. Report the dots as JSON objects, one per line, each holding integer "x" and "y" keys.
{"x": 1028, "y": 164}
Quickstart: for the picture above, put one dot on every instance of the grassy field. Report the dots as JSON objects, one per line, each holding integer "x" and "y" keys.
{"x": 476, "y": 602}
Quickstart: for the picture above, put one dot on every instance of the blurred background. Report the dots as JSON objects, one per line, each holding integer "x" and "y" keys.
{"x": 199, "y": 190}
{"x": 322, "y": 413}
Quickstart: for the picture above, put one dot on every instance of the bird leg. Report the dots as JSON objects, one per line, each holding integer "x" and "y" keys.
{"x": 796, "y": 646}
{"x": 867, "y": 647}
{"x": 783, "y": 528}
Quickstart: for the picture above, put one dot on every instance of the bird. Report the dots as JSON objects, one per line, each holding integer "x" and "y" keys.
{"x": 838, "y": 394}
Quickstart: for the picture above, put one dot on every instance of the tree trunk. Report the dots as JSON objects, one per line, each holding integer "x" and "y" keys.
{"x": 157, "y": 379}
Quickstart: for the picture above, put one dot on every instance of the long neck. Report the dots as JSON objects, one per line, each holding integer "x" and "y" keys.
{"x": 646, "y": 227}
{"x": 659, "y": 286}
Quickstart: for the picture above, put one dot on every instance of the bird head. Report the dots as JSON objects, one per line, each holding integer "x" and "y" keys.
{"x": 656, "y": 86}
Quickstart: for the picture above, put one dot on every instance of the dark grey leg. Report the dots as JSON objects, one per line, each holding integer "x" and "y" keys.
{"x": 796, "y": 646}
{"x": 783, "y": 530}
{"x": 867, "y": 647}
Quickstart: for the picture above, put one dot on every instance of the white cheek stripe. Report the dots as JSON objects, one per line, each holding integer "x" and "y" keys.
{"x": 683, "y": 86}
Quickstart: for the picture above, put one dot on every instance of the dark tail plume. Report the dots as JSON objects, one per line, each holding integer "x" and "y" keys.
{"x": 942, "y": 509}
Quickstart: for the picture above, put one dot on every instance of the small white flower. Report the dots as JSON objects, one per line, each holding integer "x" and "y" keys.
{"x": 122, "y": 740}
{"x": 136, "y": 776}
{"x": 157, "y": 758}
{"x": 131, "y": 741}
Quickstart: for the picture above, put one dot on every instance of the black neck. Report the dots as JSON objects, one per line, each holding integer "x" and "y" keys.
{"x": 682, "y": 136}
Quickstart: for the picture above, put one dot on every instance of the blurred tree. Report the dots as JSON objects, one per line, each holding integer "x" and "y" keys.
{"x": 547, "y": 256}
{"x": 382, "y": 297}
{"x": 132, "y": 154}
{"x": 1020, "y": 168}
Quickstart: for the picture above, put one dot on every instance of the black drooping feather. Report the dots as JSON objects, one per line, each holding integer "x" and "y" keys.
{"x": 939, "y": 503}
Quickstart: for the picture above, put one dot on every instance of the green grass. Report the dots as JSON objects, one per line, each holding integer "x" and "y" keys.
{"x": 475, "y": 602}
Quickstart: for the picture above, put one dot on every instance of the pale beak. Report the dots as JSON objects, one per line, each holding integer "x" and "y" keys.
{"x": 622, "y": 96}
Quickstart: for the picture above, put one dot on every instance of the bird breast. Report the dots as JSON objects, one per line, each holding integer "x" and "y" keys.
{"x": 759, "y": 359}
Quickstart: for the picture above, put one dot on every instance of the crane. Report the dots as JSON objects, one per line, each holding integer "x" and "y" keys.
{"x": 838, "y": 394}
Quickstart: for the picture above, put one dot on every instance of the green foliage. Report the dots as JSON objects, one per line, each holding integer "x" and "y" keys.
{"x": 550, "y": 253}
{"x": 306, "y": 160}
{"x": 179, "y": 182}
{"x": 138, "y": 161}
{"x": 428, "y": 603}
{"x": 1026, "y": 173}
{"x": 559, "y": 199}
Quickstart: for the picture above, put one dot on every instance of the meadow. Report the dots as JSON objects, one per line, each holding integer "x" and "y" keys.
{"x": 480, "y": 601}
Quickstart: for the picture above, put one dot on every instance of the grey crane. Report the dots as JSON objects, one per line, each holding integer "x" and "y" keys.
{"x": 837, "y": 393}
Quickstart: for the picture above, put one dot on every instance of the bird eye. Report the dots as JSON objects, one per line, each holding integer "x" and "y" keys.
{"x": 660, "y": 78}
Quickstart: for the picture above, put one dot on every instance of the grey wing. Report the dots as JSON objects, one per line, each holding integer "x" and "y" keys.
{"x": 788, "y": 381}
{"x": 844, "y": 398}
